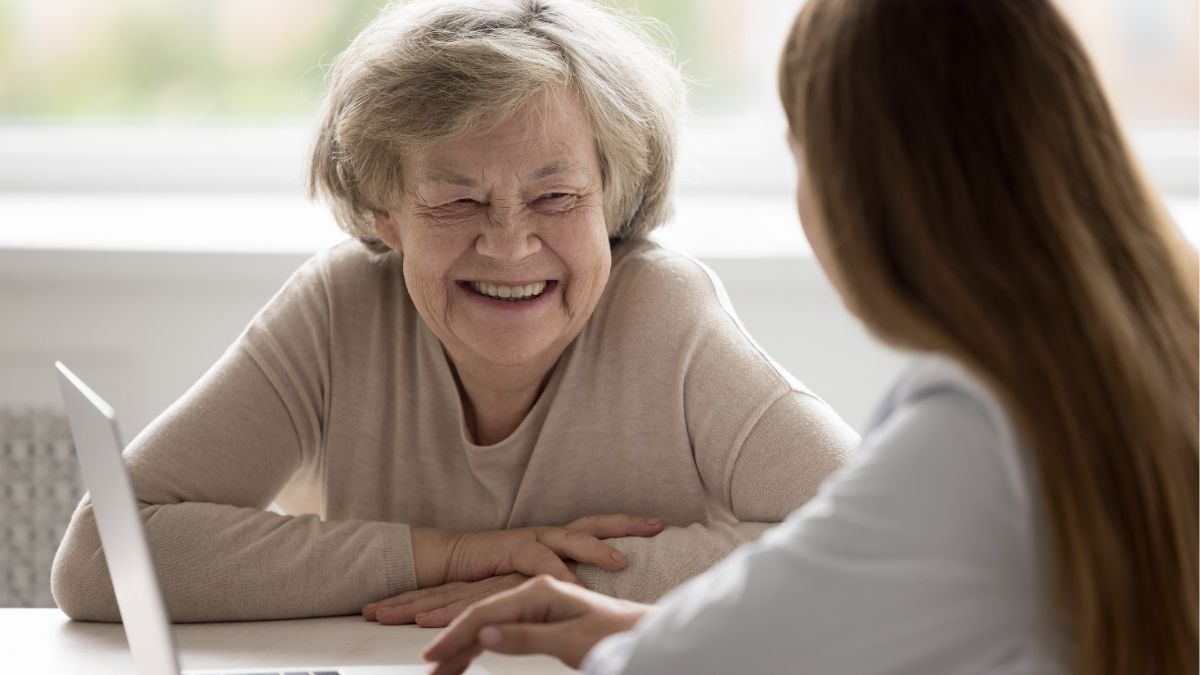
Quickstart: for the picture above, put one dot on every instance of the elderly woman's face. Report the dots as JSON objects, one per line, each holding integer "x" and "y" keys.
{"x": 505, "y": 243}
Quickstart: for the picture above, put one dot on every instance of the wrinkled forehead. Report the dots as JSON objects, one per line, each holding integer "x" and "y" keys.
{"x": 470, "y": 174}
{"x": 543, "y": 139}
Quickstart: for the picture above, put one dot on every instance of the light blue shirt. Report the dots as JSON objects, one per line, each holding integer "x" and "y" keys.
{"x": 921, "y": 556}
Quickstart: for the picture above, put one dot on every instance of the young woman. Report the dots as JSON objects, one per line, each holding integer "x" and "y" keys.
{"x": 1026, "y": 501}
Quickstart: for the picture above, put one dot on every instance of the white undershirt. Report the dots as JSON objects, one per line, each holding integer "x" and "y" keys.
{"x": 920, "y": 556}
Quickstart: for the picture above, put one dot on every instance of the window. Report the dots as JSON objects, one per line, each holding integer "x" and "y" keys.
{"x": 178, "y": 62}
{"x": 220, "y": 95}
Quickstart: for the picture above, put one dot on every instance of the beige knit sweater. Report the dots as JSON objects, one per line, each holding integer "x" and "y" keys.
{"x": 339, "y": 404}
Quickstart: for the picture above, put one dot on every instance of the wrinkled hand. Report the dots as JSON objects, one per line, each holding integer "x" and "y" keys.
{"x": 438, "y": 606}
{"x": 442, "y": 556}
{"x": 542, "y": 616}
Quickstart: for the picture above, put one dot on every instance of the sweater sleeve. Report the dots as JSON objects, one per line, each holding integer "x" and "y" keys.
{"x": 792, "y": 448}
{"x": 207, "y": 468}
{"x": 762, "y": 444}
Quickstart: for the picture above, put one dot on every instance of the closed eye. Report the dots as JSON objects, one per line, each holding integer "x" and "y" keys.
{"x": 552, "y": 202}
{"x": 461, "y": 208}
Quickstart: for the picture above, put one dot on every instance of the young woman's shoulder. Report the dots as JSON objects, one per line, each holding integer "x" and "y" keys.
{"x": 936, "y": 386}
{"x": 941, "y": 423}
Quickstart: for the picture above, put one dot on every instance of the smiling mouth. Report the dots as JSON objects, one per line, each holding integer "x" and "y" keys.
{"x": 510, "y": 293}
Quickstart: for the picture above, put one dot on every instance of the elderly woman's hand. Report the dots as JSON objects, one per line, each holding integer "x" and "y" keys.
{"x": 543, "y": 616}
{"x": 438, "y": 606}
{"x": 499, "y": 559}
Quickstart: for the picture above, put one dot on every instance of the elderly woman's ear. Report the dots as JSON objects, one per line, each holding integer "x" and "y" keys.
{"x": 387, "y": 231}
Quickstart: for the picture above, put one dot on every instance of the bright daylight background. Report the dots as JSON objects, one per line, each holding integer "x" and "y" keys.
{"x": 151, "y": 154}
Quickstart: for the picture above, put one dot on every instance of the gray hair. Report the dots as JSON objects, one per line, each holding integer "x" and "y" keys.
{"x": 437, "y": 69}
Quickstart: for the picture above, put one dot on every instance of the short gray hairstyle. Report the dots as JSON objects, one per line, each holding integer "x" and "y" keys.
{"x": 436, "y": 69}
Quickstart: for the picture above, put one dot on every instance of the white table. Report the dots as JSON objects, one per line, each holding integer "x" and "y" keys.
{"x": 46, "y": 641}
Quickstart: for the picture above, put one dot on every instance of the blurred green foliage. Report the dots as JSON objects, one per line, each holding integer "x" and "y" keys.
{"x": 151, "y": 61}
{"x": 175, "y": 61}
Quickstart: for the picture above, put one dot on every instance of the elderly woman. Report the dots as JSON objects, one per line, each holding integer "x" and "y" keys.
{"x": 471, "y": 391}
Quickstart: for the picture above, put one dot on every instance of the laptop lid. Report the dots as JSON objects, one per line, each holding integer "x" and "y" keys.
{"x": 98, "y": 447}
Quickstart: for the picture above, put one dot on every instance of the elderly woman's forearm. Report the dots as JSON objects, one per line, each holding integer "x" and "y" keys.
{"x": 222, "y": 563}
{"x": 659, "y": 564}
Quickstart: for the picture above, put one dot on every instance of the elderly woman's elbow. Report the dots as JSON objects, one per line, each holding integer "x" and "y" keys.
{"x": 79, "y": 580}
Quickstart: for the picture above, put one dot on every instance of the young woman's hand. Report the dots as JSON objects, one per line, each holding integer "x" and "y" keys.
{"x": 542, "y": 616}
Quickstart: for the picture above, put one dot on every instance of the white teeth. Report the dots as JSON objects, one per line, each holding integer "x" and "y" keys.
{"x": 510, "y": 293}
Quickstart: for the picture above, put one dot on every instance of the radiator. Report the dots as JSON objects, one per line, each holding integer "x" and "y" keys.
{"x": 39, "y": 489}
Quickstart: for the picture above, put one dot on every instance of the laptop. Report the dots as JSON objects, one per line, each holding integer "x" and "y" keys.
{"x": 134, "y": 579}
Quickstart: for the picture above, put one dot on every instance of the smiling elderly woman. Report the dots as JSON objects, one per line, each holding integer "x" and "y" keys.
{"x": 498, "y": 366}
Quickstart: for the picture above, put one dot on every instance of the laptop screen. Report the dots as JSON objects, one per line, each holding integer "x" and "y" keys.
{"x": 114, "y": 506}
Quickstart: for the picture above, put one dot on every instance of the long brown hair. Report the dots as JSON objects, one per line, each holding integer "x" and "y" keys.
{"x": 979, "y": 200}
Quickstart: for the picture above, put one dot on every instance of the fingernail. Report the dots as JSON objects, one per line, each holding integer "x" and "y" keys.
{"x": 616, "y": 555}
{"x": 490, "y": 637}
{"x": 654, "y": 522}
{"x": 371, "y": 606}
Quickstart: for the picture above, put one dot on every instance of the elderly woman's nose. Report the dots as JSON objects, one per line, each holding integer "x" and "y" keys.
{"x": 508, "y": 241}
